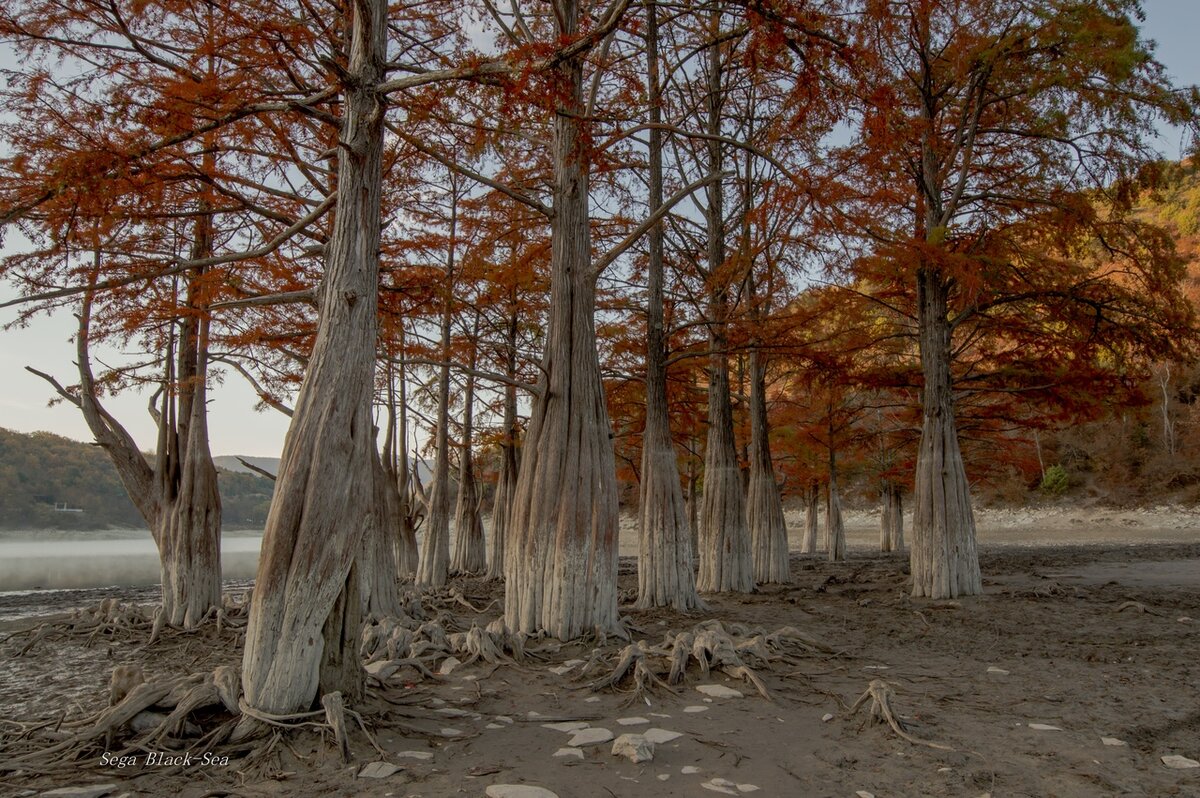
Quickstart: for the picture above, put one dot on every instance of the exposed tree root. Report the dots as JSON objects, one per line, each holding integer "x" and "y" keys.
{"x": 1137, "y": 606}
{"x": 880, "y": 694}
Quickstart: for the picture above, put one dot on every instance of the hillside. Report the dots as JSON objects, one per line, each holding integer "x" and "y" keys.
{"x": 51, "y": 482}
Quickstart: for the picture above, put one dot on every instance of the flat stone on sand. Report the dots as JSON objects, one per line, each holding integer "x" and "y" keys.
{"x": 748, "y": 788}
{"x": 573, "y": 753}
{"x": 448, "y": 666}
{"x": 634, "y": 747}
{"x": 378, "y": 770}
{"x": 568, "y": 726}
{"x": 696, "y": 708}
{"x": 1179, "y": 762}
{"x": 635, "y": 721}
{"x": 720, "y": 785}
{"x": 449, "y": 732}
{"x": 660, "y": 736}
{"x": 590, "y": 737}
{"x": 424, "y": 756}
{"x": 994, "y": 669}
{"x": 1043, "y": 727}
{"x": 688, "y": 770}
{"x": 518, "y": 791}
{"x": 88, "y": 791}
{"x": 1112, "y": 741}
{"x": 719, "y": 691}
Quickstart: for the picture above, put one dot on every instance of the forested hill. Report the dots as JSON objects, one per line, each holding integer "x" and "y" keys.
{"x": 42, "y": 471}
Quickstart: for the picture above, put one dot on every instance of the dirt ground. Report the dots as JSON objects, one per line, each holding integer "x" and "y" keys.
{"x": 1047, "y": 644}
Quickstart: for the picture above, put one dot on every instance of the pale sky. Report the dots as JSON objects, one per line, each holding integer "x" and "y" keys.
{"x": 234, "y": 425}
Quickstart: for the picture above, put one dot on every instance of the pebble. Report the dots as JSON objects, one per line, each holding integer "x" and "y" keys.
{"x": 518, "y": 791}
{"x": 695, "y": 709}
{"x": 378, "y": 770}
{"x": 828, "y": 716}
{"x": 634, "y": 747}
{"x": 1112, "y": 741}
{"x": 568, "y": 726}
{"x": 719, "y": 691}
{"x": 503, "y": 719}
{"x": 422, "y": 755}
{"x": 632, "y": 721}
{"x": 593, "y": 736}
{"x": 994, "y": 669}
{"x": 720, "y": 785}
{"x": 748, "y": 788}
{"x": 688, "y": 770}
{"x": 448, "y": 666}
{"x": 455, "y": 712}
{"x": 1043, "y": 727}
{"x": 660, "y": 736}
{"x": 88, "y": 791}
{"x": 1179, "y": 762}
{"x": 663, "y": 776}
{"x": 569, "y": 752}
{"x": 658, "y": 715}
{"x": 494, "y": 726}
{"x": 865, "y": 794}
{"x": 449, "y": 732}
{"x": 560, "y": 670}
{"x": 1185, "y": 619}
{"x": 592, "y": 699}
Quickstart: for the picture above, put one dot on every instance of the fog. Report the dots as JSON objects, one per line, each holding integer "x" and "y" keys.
{"x": 100, "y": 559}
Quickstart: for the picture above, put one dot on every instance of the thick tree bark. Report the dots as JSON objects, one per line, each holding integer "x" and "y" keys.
{"x": 470, "y": 550}
{"x": 561, "y": 569}
{"x": 323, "y": 494}
{"x": 891, "y": 518}
{"x": 835, "y": 528}
{"x": 944, "y": 561}
{"x": 725, "y": 562}
{"x": 812, "y": 500}
{"x": 434, "y": 567}
{"x": 407, "y": 556}
{"x": 376, "y": 564}
{"x": 506, "y": 484}
{"x": 764, "y": 508}
{"x": 665, "y": 575}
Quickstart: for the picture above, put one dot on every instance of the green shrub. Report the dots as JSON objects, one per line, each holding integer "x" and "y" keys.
{"x": 1055, "y": 482}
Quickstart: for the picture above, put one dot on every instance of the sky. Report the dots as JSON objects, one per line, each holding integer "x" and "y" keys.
{"x": 236, "y": 427}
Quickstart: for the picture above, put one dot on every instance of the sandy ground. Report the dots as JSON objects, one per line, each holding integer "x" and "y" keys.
{"x": 1059, "y": 652}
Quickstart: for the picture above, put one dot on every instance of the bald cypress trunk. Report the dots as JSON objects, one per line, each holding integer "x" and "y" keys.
{"x": 812, "y": 500}
{"x": 470, "y": 552}
{"x": 764, "y": 508}
{"x": 321, "y": 510}
{"x": 835, "y": 528}
{"x": 561, "y": 567}
{"x": 506, "y": 483}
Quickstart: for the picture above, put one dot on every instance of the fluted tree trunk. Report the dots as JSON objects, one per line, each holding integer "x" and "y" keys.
{"x": 297, "y": 641}
{"x": 561, "y": 566}
{"x": 891, "y": 518}
{"x": 376, "y": 564}
{"x": 396, "y": 492}
{"x": 665, "y": 575}
{"x": 725, "y": 562}
{"x": 470, "y": 550}
{"x": 812, "y": 500}
{"x": 506, "y": 483}
{"x": 835, "y": 528}
{"x": 434, "y": 567}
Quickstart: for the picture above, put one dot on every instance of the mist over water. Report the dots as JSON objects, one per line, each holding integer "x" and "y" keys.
{"x": 55, "y": 560}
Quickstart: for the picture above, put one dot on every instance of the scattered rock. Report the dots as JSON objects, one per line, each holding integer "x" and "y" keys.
{"x": 560, "y": 670}
{"x": 424, "y": 756}
{"x": 660, "y": 736}
{"x": 592, "y": 699}
{"x": 378, "y": 770}
{"x": 658, "y": 715}
{"x": 994, "y": 669}
{"x": 518, "y": 791}
{"x": 828, "y": 716}
{"x": 567, "y": 726}
{"x": 1112, "y": 741}
{"x": 593, "y": 736}
{"x": 688, "y": 770}
{"x": 449, "y": 732}
{"x": 448, "y": 666}
{"x": 503, "y": 719}
{"x": 1179, "y": 762}
{"x": 574, "y": 753}
{"x": 876, "y": 667}
{"x": 634, "y": 747}
{"x": 663, "y": 776}
{"x": 494, "y": 726}
{"x": 88, "y": 791}
{"x": 1185, "y": 619}
{"x": 719, "y": 691}
{"x": 696, "y": 708}
{"x": 865, "y": 794}
{"x": 533, "y": 714}
{"x": 720, "y": 785}
{"x": 632, "y": 721}
{"x": 1043, "y": 727}
{"x": 748, "y": 788}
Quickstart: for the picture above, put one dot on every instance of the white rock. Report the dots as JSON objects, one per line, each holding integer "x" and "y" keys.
{"x": 494, "y": 726}
{"x": 378, "y": 770}
{"x": 828, "y": 716}
{"x": 719, "y": 691}
{"x": 1043, "y": 727}
{"x": 632, "y": 721}
{"x": 994, "y": 669}
{"x": 1179, "y": 762}
{"x": 89, "y": 791}
{"x": 448, "y": 666}
{"x": 865, "y": 794}
{"x": 560, "y": 670}
{"x": 533, "y": 714}
{"x": 518, "y": 791}
{"x": 659, "y": 715}
{"x": 425, "y": 756}
{"x": 876, "y": 667}
{"x": 1185, "y": 619}
{"x": 945, "y": 770}
{"x": 634, "y": 747}
{"x": 696, "y": 708}
{"x": 567, "y": 726}
{"x": 455, "y": 712}
{"x": 748, "y": 788}
{"x": 503, "y": 719}
{"x": 660, "y": 736}
{"x": 574, "y": 753}
{"x": 571, "y": 663}
{"x": 663, "y": 776}
{"x": 720, "y": 785}
{"x": 590, "y": 737}
{"x": 1112, "y": 741}
{"x": 449, "y": 732}
{"x": 592, "y": 699}
{"x": 688, "y": 770}
{"x": 436, "y": 702}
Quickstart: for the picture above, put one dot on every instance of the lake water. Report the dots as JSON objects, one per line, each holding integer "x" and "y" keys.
{"x": 55, "y": 560}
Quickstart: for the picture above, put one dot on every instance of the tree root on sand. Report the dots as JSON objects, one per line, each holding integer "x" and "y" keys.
{"x": 880, "y": 695}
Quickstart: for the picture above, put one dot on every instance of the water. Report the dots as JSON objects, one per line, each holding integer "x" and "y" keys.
{"x": 103, "y": 558}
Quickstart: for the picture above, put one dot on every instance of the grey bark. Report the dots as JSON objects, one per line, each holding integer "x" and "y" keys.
{"x": 665, "y": 575}
{"x": 506, "y": 483}
{"x": 891, "y": 518}
{"x": 561, "y": 568}
{"x": 323, "y": 496}
{"x": 835, "y": 528}
{"x": 812, "y": 500}
{"x": 470, "y": 550}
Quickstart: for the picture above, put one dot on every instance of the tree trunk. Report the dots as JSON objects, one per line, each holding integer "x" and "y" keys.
{"x": 376, "y": 564}
{"x": 835, "y": 529}
{"x": 725, "y": 562}
{"x": 506, "y": 484}
{"x": 891, "y": 519}
{"x": 322, "y": 503}
{"x": 665, "y": 575}
{"x": 340, "y": 668}
{"x": 944, "y": 560}
{"x": 812, "y": 500}
{"x": 435, "y": 551}
{"x": 561, "y": 570}
{"x": 764, "y": 508}
{"x": 407, "y": 557}
{"x": 470, "y": 550}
